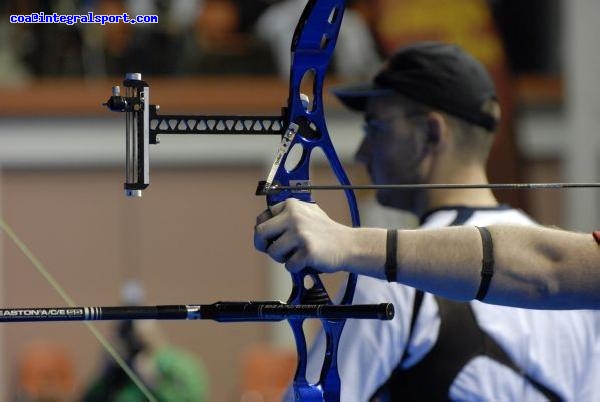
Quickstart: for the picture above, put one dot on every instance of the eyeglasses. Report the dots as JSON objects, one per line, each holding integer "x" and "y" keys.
{"x": 373, "y": 126}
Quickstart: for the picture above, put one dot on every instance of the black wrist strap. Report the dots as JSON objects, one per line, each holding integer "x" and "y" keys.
{"x": 391, "y": 263}
{"x": 487, "y": 263}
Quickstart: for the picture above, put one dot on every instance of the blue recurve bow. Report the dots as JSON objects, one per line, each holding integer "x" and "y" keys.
{"x": 302, "y": 126}
{"x": 312, "y": 49}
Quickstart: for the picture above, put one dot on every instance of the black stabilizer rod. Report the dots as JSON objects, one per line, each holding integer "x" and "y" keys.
{"x": 219, "y": 311}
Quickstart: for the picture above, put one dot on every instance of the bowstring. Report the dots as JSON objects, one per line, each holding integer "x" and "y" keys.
{"x": 69, "y": 300}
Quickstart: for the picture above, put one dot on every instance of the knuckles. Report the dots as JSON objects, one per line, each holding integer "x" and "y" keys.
{"x": 293, "y": 212}
{"x": 260, "y": 242}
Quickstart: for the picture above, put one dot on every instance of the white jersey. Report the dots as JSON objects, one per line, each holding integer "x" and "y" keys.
{"x": 559, "y": 349}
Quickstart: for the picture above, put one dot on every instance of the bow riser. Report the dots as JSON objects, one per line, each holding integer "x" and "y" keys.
{"x": 313, "y": 45}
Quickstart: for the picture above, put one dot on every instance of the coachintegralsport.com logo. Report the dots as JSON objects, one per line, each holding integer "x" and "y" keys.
{"x": 89, "y": 18}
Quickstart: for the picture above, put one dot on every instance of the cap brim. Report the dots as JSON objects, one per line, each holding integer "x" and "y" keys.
{"x": 355, "y": 97}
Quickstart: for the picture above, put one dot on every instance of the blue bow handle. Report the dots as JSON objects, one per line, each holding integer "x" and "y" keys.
{"x": 312, "y": 50}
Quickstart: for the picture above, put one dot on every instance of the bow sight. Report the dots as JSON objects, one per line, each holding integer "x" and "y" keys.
{"x": 137, "y": 131}
{"x": 143, "y": 124}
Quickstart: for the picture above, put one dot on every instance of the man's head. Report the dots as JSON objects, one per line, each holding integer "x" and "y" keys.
{"x": 430, "y": 109}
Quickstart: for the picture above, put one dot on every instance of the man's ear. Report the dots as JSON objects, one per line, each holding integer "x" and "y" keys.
{"x": 437, "y": 129}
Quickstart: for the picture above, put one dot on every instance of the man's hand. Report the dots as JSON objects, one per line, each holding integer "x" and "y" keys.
{"x": 301, "y": 235}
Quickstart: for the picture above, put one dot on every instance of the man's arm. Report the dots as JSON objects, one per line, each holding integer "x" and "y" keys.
{"x": 534, "y": 267}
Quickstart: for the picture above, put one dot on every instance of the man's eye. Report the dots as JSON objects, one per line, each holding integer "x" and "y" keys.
{"x": 373, "y": 126}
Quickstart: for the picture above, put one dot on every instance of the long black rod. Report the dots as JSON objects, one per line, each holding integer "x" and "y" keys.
{"x": 220, "y": 311}
{"x": 275, "y": 188}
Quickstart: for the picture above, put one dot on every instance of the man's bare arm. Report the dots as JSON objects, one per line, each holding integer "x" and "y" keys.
{"x": 535, "y": 267}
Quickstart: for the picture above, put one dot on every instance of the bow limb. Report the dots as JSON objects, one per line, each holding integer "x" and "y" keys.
{"x": 48, "y": 277}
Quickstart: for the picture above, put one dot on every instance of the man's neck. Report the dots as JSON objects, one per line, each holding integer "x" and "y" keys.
{"x": 465, "y": 197}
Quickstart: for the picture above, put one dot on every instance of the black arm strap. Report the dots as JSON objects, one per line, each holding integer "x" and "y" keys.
{"x": 391, "y": 260}
{"x": 487, "y": 263}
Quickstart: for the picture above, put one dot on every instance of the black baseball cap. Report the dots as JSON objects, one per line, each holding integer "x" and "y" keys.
{"x": 439, "y": 75}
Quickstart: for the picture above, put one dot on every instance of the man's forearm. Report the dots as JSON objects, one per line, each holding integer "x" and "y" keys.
{"x": 442, "y": 261}
{"x": 534, "y": 267}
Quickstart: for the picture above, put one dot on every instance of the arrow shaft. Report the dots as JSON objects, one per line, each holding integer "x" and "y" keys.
{"x": 442, "y": 186}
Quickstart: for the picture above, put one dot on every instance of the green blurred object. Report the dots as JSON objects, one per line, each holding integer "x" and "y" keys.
{"x": 179, "y": 377}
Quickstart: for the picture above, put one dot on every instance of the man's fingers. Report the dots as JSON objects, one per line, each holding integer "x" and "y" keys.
{"x": 292, "y": 233}
{"x": 269, "y": 230}
{"x": 281, "y": 248}
{"x": 261, "y": 240}
{"x": 274, "y": 228}
{"x": 264, "y": 216}
{"x": 270, "y": 224}
{"x": 297, "y": 261}
{"x": 278, "y": 208}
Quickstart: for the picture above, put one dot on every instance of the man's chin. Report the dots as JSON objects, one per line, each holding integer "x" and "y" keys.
{"x": 411, "y": 201}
